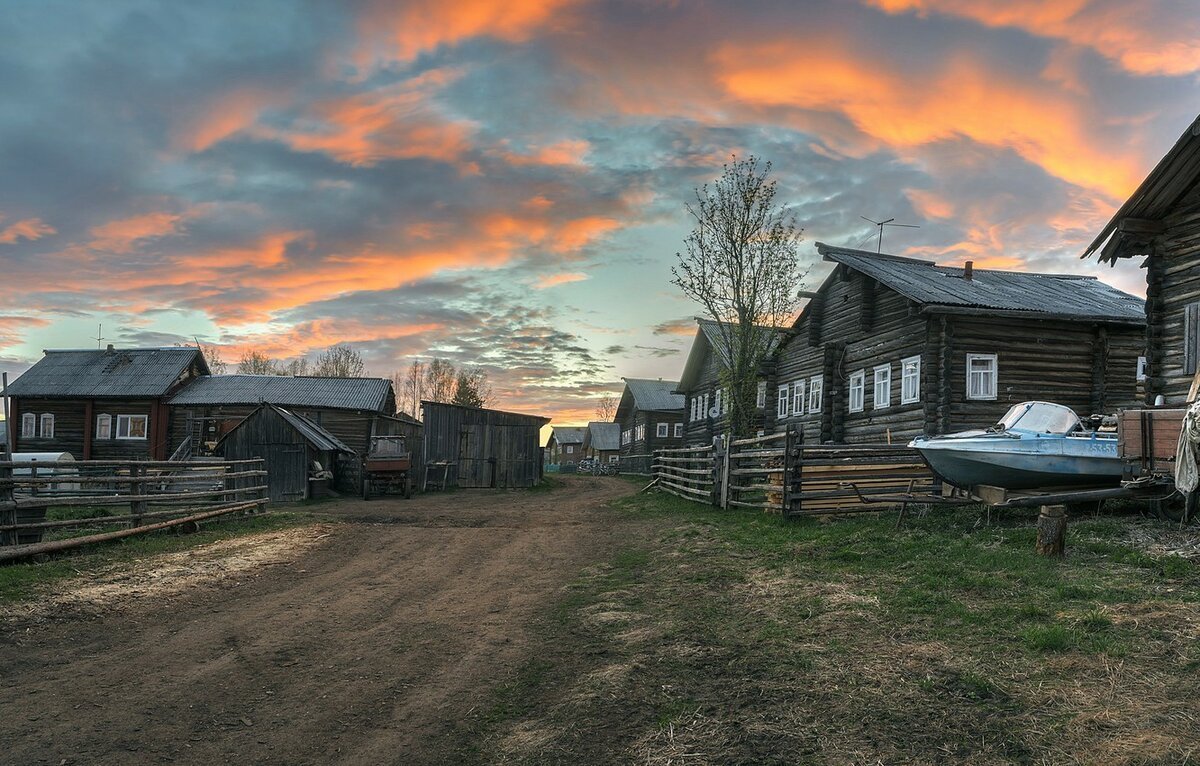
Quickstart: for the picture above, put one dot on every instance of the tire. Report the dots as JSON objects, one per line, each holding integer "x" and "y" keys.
{"x": 1177, "y": 507}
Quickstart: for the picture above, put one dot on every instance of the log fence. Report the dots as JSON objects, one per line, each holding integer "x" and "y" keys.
{"x": 686, "y": 472}
{"x": 158, "y": 494}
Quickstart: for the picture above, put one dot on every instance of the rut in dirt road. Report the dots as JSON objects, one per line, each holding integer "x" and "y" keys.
{"x": 366, "y": 649}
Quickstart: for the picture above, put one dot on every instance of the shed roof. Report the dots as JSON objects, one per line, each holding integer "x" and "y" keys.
{"x": 654, "y": 395}
{"x": 604, "y": 436}
{"x": 106, "y": 373}
{"x": 568, "y": 435}
{"x": 1069, "y": 296}
{"x": 312, "y": 432}
{"x": 327, "y": 393}
{"x": 541, "y": 421}
{"x": 1133, "y": 226}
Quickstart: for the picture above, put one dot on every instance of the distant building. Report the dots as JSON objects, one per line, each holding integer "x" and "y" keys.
{"x": 602, "y": 442}
{"x": 481, "y": 447}
{"x": 565, "y": 445}
{"x": 650, "y": 415}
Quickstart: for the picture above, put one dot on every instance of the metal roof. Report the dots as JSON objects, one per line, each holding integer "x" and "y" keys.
{"x": 112, "y": 373}
{"x": 1132, "y": 228}
{"x": 1061, "y": 295}
{"x": 568, "y": 435}
{"x": 604, "y": 436}
{"x": 329, "y": 393}
{"x": 654, "y": 395}
{"x": 313, "y": 433}
{"x": 710, "y": 338}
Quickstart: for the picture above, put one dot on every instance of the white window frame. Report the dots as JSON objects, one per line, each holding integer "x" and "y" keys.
{"x": 783, "y": 400}
{"x": 725, "y": 401}
{"x": 718, "y": 400}
{"x": 104, "y": 424}
{"x": 128, "y": 421}
{"x": 760, "y": 400}
{"x": 704, "y": 406}
{"x": 46, "y": 425}
{"x": 816, "y": 392}
{"x": 877, "y": 380}
{"x": 695, "y": 408}
{"x": 570, "y": 449}
{"x": 663, "y": 431}
{"x": 1143, "y": 369}
{"x": 28, "y": 426}
{"x": 858, "y": 385}
{"x": 799, "y": 392}
{"x": 614, "y": 458}
{"x": 995, "y": 377}
{"x": 914, "y": 378}
{"x": 679, "y": 430}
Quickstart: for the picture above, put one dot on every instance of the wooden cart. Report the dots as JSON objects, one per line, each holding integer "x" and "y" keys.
{"x": 387, "y": 468}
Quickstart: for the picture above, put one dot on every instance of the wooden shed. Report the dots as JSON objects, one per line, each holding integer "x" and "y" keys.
{"x": 296, "y": 450}
{"x": 482, "y": 447}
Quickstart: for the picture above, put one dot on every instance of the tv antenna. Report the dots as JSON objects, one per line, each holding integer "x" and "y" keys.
{"x": 888, "y": 222}
{"x": 99, "y": 334}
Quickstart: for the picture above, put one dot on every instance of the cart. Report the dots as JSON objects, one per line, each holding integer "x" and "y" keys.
{"x": 387, "y": 468}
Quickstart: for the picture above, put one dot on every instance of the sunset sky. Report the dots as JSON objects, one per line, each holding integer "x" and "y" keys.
{"x": 502, "y": 183}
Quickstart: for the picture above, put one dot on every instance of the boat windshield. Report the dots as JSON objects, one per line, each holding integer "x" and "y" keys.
{"x": 1040, "y": 417}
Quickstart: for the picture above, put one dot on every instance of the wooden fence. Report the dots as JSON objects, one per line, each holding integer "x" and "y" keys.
{"x": 777, "y": 473}
{"x": 158, "y": 494}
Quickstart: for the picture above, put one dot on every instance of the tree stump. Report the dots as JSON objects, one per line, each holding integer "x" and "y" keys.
{"x": 1052, "y": 531}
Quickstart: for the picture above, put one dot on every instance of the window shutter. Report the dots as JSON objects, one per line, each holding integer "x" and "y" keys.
{"x": 1191, "y": 337}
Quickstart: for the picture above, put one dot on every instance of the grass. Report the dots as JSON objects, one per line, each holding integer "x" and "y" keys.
{"x": 24, "y": 580}
{"x": 725, "y": 637}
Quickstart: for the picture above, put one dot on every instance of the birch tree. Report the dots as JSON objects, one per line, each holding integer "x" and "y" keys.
{"x": 740, "y": 263}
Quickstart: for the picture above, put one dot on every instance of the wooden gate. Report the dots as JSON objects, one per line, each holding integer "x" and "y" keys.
{"x": 288, "y": 480}
{"x": 474, "y": 468}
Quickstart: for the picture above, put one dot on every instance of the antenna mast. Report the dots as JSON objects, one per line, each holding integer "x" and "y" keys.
{"x": 99, "y": 334}
{"x": 888, "y": 222}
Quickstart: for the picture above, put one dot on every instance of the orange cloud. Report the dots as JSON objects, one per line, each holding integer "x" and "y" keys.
{"x": 13, "y": 328}
{"x": 28, "y": 229}
{"x": 124, "y": 234}
{"x": 566, "y": 152}
{"x": 228, "y": 114}
{"x": 554, "y": 280}
{"x": 1134, "y": 34}
{"x": 928, "y": 204}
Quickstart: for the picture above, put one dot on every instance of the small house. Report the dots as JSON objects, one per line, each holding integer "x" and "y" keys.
{"x": 565, "y": 445}
{"x": 101, "y": 404}
{"x": 650, "y": 416}
{"x": 299, "y": 454}
{"x": 481, "y": 447}
{"x": 1161, "y": 222}
{"x": 891, "y": 348}
{"x": 602, "y": 442}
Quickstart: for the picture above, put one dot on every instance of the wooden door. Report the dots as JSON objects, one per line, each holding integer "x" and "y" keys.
{"x": 474, "y": 449}
{"x": 287, "y": 471}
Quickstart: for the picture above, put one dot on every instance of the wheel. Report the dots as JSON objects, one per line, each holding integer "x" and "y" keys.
{"x": 1177, "y": 507}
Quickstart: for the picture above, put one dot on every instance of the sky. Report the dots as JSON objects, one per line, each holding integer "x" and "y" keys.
{"x": 502, "y": 183}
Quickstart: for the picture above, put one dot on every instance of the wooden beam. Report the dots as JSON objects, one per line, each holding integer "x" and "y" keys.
{"x": 1141, "y": 226}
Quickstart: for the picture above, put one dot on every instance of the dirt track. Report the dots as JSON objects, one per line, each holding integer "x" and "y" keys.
{"x": 364, "y": 646}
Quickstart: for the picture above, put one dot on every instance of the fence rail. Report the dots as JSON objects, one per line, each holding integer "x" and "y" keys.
{"x": 686, "y": 472}
{"x": 159, "y": 494}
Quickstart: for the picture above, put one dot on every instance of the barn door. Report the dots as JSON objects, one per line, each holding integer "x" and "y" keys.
{"x": 287, "y": 471}
{"x": 474, "y": 468}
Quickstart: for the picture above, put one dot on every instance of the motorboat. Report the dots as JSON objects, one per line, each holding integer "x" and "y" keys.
{"x": 1036, "y": 445}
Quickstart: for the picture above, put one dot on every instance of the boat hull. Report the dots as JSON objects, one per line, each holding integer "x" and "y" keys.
{"x": 1023, "y": 463}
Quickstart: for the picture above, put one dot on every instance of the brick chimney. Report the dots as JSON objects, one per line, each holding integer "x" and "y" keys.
{"x": 109, "y": 350}
{"x": 968, "y": 270}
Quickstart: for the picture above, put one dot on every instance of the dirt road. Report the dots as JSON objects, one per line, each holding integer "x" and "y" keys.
{"x": 366, "y": 646}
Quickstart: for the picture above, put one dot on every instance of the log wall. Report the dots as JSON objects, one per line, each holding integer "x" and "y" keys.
{"x": 1173, "y": 283}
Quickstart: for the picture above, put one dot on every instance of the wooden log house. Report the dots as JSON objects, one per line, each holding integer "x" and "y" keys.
{"x": 650, "y": 416}
{"x": 706, "y": 401}
{"x": 892, "y": 348}
{"x": 602, "y": 442}
{"x": 565, "y": 445}
{"x": 1161, "y": 223}
{"x": 483, "y": 448}
{"x": 101, "y": 404}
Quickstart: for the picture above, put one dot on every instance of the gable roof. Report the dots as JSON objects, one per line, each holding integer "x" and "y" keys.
{"x": 1068, "y": 296}
{"x": 1134, "y": 225}
{"x": 710, "y": 338}
{"x": 652, "y": 395}
{"x": 603, "y": 436}
{"x": 374, "y": 394}
{"x": 312, "y": 432}
{"x": 567, "y": 435}
{"x": 107, "y": 373}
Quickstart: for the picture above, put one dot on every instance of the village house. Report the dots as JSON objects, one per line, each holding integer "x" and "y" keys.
{"x": 101, "y": 404}
{"x": 1161, "y": 222}
{"x": 706, "y": 399}
{"x": 650, "y": 416}
{"x": 565, "y": 445}
{"x": 602, "y": 442}
{"x": 892, "y": 348}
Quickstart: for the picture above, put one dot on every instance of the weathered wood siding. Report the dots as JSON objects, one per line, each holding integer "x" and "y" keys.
{"x": 1172, "y": 284}
{"x": 285, "y": 452}
{"x": 72, "y": 418}
{"x": 352, "y": 427}
{"x": 490, "y": 448}
{"x": 652, "y": 441}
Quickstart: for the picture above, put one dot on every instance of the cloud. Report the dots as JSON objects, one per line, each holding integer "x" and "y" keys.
{"x": 123, "y": 235}
{"x": 685, "y": 326}
{"x": 554, "y": 280}
{"x": 29, "y": 229}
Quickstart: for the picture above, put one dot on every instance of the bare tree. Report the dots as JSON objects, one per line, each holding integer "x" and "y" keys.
{"x": 410, "y": 387}
{"x": 339, "y": 361}
{"x": 471, "y": 388}
{"x": 741, "y": 265}
{"x": 440, "y": 380}
{"x": 257, "y": 363}
{"x": 295, "y": 368}
{"x": 212, "y": 357}
{"x": 606, "y": 408}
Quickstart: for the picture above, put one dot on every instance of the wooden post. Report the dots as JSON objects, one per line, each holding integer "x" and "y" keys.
{"x": 33, "y": 474}
{"x": 6, "y": 495}
{"x": 718, "y": 450}
{"x": 1052, "y": 531}
{"x": 726, "y": 450}
{"x": 789, "y": 460}
{"x": 137, "y": 505}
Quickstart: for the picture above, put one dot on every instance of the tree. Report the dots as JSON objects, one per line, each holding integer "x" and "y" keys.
{"x": 741, "y": 265}
{"x": 410, "y": 386}
{"x": 212, "y": 355}
{"x": 441, "y": 380}
{"x": 606, "y": 408}
{"x": 295, "y": 368}
{"x": 339, "y": 361}
{"x": 471, "y": 388}
{"x": 257, "y": 363}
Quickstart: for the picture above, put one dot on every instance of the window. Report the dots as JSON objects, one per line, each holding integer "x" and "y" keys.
{"x": 704, "y": 406}
{"x": 910, "y": 380}
{"x": 1142, "y": 369}
{"x": 981, "y": 376}
{"x": 883, "y": 387}
{"x": 28, "y": 425}
{"x": 131, "y": 426}
{"x": 570, "y": 449}
{"x": 725, "y": 401}
{"x": 816, "y": 391}
{"x": 679, "y": 430}
{"x": 761, "y": 400}
{"x": 798, "y": 397}
{"x": 103, "y": 426}
{"x": 664, "y": 430}
{"x": 695, "y": 404}
{"x": 47, "y": 426}
{"x": 718, "y": 399}
{"x": 783, "y": 401}
{"x": 614, "y": 458}
{"x": 858, "y": 382}
{"x": 640, "y": 433}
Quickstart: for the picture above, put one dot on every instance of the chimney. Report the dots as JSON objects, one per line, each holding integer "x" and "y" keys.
{"x": 109, "y": 350}
{"x": 968, "y": 270}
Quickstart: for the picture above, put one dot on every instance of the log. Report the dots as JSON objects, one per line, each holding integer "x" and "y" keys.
{"x": 1052, "y": 531}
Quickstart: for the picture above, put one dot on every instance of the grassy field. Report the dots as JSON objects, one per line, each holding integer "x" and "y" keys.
{"x": 730, "y": 638}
